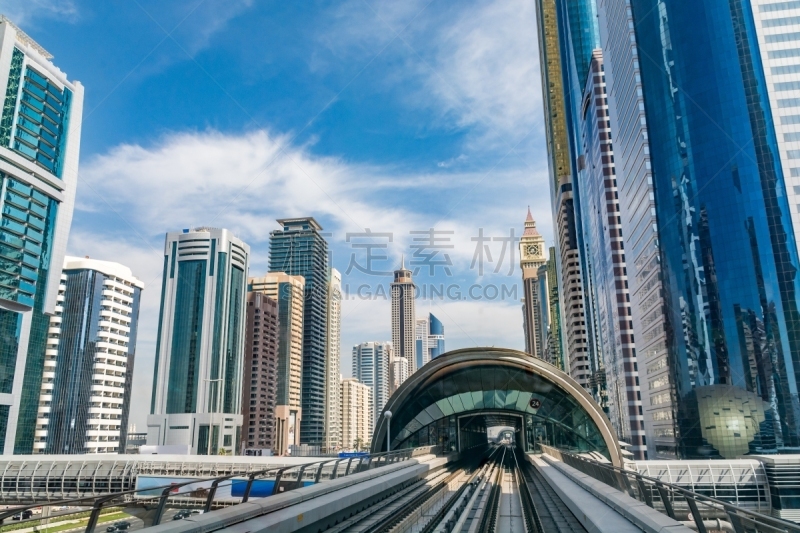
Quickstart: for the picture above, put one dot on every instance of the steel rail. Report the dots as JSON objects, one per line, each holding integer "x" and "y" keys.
{"x": 489, "y": 517}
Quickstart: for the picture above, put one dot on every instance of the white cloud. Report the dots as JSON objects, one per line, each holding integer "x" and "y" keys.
{"x": 486, "y": 69}
{"x": 22, "y": 12}
{"x": 474, "y": 64}
{"x": 130, "y": 196}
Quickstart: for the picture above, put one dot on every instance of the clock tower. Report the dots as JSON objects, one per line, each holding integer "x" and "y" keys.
{"x": 531, "y": 257}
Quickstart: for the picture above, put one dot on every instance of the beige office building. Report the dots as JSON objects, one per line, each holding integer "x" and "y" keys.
{"x": 288, "y": 292}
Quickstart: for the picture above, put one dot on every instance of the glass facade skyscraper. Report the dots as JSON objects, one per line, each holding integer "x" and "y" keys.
{"x": 708, "y": 254}
{"x": 40, "y": 129}
{"x": 200, "y": 350}
{"x": 299, "y": 249}
{"x": 727, "y": 247}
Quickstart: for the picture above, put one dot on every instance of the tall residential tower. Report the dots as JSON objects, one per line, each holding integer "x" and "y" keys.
{"x": 287, "y": 291}
{"x": 260, "y": 376}
{"x": 333, "y": 415}
{"x": 371, "y": 363}
{"x": 299, "y": 249}
{"x": 85, "y": 397}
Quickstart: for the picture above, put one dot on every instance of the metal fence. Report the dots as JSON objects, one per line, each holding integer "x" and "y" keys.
{"x": 698, "y": 511}
{"x": 203, "y": 492}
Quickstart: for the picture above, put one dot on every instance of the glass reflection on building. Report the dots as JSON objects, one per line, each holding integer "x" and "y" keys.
{"x": 727, "y": 383}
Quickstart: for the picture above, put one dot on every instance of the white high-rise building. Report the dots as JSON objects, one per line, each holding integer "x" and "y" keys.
{"x": 200, "y": 345}
{"x": 371, "y": 367}
{"x": 356, "y": 410}
{"x": 40, "y": 133}
{"x": 403, "y": 319}
{"x": 779, "y": 42}
{"x": 88, "y": 369}
{"x": 398, "y": 373}
{"x": 333, "y": 415}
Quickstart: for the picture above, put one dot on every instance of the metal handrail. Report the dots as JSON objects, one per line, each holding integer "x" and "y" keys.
{"x": 99, "y": 501}
{"x": 741, "y": 520}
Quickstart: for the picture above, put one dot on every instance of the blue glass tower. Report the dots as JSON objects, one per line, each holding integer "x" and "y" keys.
{"x": 40, "y": 125}
{"x": 709, "y": 246}
{"x": 727, "y": 247}
{"x": 436, "y": 337}
{"x": 299, "y": 249}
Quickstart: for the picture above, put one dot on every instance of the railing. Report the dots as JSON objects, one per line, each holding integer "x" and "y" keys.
{"x": 286, "y": 478}
{"x": 703, "y": 512}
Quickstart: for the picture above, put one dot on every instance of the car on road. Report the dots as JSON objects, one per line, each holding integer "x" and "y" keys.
{"x": 122, "y": 526}
{"x": 111, "y": 529}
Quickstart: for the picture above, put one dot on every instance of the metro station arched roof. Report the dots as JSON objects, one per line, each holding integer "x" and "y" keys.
{"x": 497, "y": 380}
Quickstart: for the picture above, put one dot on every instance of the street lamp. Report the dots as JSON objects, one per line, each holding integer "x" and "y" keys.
{"x": 388, "y": 416}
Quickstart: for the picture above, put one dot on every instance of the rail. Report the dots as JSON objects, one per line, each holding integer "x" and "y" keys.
{"x": 704, "y": 512}
{"x": 297, "y": 475}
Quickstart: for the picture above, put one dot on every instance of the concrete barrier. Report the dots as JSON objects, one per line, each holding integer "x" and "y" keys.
{"x": 599, "y": 507}
{"x": 310, "y": 507}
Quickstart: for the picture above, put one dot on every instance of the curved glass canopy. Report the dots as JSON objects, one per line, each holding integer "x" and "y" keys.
{"x": 457, "y": 387}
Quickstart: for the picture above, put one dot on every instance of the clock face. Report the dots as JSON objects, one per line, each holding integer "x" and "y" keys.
{"x": 532, "y": 249}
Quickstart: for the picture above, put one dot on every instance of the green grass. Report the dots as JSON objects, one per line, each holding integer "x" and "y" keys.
{"x": 111, "y": 515}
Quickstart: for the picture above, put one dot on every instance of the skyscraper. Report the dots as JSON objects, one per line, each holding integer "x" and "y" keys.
{"x": 704, "y": 233}
{"x": 40, "y": 130}
{"x": 553, "y": 346}
{"x": 260, "y": 376}
{"x": 398, "y": 373}
{"x": 356, "y": 414}
{"x": 429, "y": 335}
{"x": 606, "y": 279}
{"x": 543, "y": 301}
{"x": 531, "y": 257}
{"x": 299, "y": 249}
{"x": 197, "y": 383}
{"x": 403, "y": 319}
{"x": 333, "y": 416}
{"x": 288, "y": 292}
{"x": 553, "y": 48}
{"x": 728, "y": 259}
{"x": 371, "y": 362}
{"x": 88, "y": 370}
{"x": 435, "y": 337}
{"x": 421, "y": 334}
{"x": 778, "y": 46}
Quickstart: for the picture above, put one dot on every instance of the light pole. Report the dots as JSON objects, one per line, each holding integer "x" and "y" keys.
{"x": 216, "y": 408}
{"x": 388, "y": 416}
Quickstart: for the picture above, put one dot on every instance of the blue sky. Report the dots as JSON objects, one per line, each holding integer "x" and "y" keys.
{"x": 391, "y": 116}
